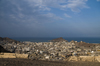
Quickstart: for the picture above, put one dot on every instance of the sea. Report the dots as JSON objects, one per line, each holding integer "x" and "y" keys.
{"x": 47, "y": 39}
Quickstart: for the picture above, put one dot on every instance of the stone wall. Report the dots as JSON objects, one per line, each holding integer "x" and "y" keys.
{"x": 84, "y": 58}
{"x": 13, "y": 55}
{"x": 71, "y": 58}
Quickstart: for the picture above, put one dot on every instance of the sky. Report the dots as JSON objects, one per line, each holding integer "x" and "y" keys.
{"x": 49, "y": 18}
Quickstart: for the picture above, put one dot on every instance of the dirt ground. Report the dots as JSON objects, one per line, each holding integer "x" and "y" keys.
{"x": 27, "y": 62}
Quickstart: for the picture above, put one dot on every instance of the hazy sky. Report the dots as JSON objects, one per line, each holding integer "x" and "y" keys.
{"x": 50, "y": 18}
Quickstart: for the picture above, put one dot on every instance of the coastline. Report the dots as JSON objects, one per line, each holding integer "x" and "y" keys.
{"x": 47, "y": 39}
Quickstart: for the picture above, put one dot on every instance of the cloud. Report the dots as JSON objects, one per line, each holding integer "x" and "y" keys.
{"x": 37, "y": 11}
{"x": 76, "y": 5}
{"x": 51, "y": 15}
{"x": 98, "y": 0}
{"x": 45, "y": 5}
{"x": 33, "y": 16}
{"x": 26, "y": 11}
{"x": 66, "y": 15}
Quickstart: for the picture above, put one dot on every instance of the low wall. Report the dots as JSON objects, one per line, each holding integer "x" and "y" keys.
{"x": 97, "y": 58}
{"x": 71, "y": 58}
{"x": 85, "y": 58}
{"x": 13, "y": 55}
{"x": 21, "y": 55}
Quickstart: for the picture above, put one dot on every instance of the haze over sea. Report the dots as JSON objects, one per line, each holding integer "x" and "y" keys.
{"x": 47, "y": 39}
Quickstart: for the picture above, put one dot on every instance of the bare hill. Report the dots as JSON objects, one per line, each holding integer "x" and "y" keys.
{"x": 6, "y": 39}
{"x": 59, "y": 40}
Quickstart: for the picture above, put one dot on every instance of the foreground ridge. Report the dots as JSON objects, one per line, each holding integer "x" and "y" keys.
{"x": 52, "y": 51}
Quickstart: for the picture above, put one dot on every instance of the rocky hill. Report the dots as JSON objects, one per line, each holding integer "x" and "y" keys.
{"x": 6, "y": 39}
{"x": 58, "y": 40}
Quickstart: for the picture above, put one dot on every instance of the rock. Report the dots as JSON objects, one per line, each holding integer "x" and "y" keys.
{"x": 3, "y": 50}
{"x": 57, "y": 50}
{"x": 6, "y": 39}
{"x": 72, "y": 41}
{"x": 7, "y": 55}
{"x": 21, "y": 56}
{"x": 13, "y": 55}
{"x": 47, "y": 57}
{"x": 58, "y": 40}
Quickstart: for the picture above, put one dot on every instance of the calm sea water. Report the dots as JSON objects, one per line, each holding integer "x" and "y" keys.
{"x": 88, "y": 40}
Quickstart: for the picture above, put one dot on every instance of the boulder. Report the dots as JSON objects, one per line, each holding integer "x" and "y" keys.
{"x": 21, "y": 55}
{"x": 58, "y": 40}
{"x": 7, "y": 55}
{"x": 3, "y": 50}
